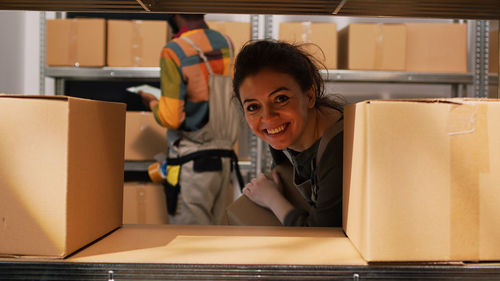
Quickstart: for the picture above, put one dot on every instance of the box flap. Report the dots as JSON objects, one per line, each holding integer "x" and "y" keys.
{"x": 223, "y": 245}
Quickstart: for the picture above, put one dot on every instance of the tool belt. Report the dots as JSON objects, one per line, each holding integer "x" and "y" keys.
{"x": 204, "y": 161}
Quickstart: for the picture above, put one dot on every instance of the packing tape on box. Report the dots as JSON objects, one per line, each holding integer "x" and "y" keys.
{"x": 73, "y": 43}
{"x": 379, "y": 46}
{"x": 136, "y": 44}
{"x": 469, "y": 157}
{"x": 306, "y": 32}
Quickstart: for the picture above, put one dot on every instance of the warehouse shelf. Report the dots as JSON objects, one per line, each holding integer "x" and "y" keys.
{"x": 463, "y": 9}
{"x": 102, "y": 73}
{"x": 336, "y": 75}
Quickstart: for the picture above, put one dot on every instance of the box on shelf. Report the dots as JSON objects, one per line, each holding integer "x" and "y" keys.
{"x": 61, "y": 173}
{"x": 136, "y": 43}
{"x": 144, "y": 203}
{"x": 436, "y": 47}
{"x": 239, "y": 32}
{"x": 372, "y": 46}
{"x": 421, "y": 179}
{"x": 144, "y": 137}
{"x": 493, "y": 51}
{"x": 322, "y": 34}
{"x": 75, "y": 42}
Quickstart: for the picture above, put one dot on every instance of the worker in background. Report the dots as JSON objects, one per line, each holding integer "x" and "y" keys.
{"x": 201, "y": 121}
{"x": 282, "y": 94}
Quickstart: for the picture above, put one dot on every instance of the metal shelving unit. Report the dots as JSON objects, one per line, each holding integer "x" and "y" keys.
{"x": 334, "y": 75}
{"x": 462, "y": 9}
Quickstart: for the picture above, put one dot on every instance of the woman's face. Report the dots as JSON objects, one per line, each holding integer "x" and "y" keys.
{"x": 277, "y": 110}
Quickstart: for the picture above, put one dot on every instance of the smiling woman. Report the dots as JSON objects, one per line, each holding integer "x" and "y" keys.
{"x": 282, "y": 95}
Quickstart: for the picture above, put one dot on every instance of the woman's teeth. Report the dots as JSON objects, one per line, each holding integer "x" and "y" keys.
{"x": 276, "y": 130}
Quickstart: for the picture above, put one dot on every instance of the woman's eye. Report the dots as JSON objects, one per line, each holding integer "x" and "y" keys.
{"x": 252, "y": 107}
{"x": 281, "y": 99}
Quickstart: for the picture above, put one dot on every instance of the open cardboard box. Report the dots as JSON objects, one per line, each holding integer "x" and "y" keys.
{"x": 190, "y": 244}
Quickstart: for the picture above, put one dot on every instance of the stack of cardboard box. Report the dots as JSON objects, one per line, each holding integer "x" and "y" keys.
{"x": 144, "y": 202}
{"x": 99, "y": 42}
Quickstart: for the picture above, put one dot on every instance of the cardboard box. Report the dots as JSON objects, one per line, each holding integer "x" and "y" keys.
{"x": 323, "y": 34}
{"x": 61, "y": 173}
{"x": 75, "y": 42}
{"x": 215, "y": 244}
{"x": 421, "y": 179}
{"x": 136, "y": 42}
{"x": 144, "y": 137}
{"x": 144, "y": 203}
{"x": 493, "y": 51}
{"x": 239, "y": 32}
{"x": 372, "y": 46}
{"x": 436, "y": 47}
{"x": 243, "y": 211}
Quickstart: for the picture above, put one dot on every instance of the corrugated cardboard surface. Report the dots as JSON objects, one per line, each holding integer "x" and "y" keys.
{"x": 373, "y": 46}
{"x": 144, "y": 137}
{"x": 135, "y": 42}
{"x": 239, "y": 32}
{"x": 243, "y": 211}
{"x": 76, "y": 42}
{"x": 144, "y": 203}
{"x": 421, "y": 179}
{"x": 436, "y": 47}
{"x": 323, "y": 34}
{"x": 223, "y": 245}
{"x": 493, "y": 52}
{"x": 61, "y": 173}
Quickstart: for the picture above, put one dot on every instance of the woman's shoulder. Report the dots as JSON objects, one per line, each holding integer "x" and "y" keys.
{"x": 329, "y": 117}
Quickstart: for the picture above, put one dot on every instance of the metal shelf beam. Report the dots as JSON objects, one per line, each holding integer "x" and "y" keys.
{"x": 336, "y": 75}
{"x": 452, "y": 9}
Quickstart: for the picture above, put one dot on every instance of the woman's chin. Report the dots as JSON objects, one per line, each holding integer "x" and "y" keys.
{"x": 278, "y": 146}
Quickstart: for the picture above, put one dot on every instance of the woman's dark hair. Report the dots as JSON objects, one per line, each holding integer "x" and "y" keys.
{"x": 285, "y": 58}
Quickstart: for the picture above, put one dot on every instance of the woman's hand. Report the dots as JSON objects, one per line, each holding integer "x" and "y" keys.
{"x": 263, "y": 190}
{"x": 268, "y": 193}
{"x": 149, "y": 100}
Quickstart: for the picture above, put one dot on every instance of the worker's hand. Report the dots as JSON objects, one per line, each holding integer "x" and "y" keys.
{"x": 149, "y": 100}
{"x": 263, "y": 190}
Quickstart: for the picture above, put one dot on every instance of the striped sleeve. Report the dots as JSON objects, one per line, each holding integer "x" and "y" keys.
{"x": 170, "y": 110}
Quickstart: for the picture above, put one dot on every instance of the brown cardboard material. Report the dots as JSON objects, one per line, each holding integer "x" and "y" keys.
{"x": 144, "y": 137}
{"x": 144, "y": 203}
{"x": 75, "y": 42}
{"x": 372, "y": 46}
{"x": 61, "y": 173}
{"x": 189, "y": 244}
{"x": 239, "y": 32}
{"x": 136, "y": 43}
{"x": 243, "y": 211}
{"x": 421, "y": 179}
{"x": 493, "y": 51}
{"x": 436, "y": 47}
{"x": 323, "y": 34}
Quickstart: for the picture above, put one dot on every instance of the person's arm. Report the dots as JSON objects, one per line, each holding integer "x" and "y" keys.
{"x": 268, "y": 192}
{"x": 169, "y": 110}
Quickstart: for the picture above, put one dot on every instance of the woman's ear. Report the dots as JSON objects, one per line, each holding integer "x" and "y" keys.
{"x": 311, "y": 97}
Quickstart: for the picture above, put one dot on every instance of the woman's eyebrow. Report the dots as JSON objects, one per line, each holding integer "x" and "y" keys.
{"x": 278, "y": 90}
{"x": 270, "y": 94}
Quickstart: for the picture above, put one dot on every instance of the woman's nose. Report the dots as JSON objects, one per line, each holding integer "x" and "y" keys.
{"x": 268, "y": 113}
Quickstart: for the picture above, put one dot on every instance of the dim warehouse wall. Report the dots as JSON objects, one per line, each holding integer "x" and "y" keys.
{"x": 19, "y": 52}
